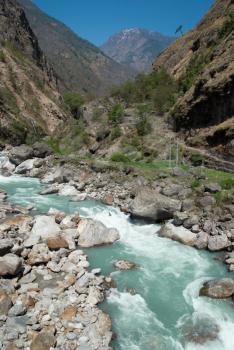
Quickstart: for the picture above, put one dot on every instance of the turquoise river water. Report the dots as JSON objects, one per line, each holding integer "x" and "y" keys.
{"x": 166, "y": 313}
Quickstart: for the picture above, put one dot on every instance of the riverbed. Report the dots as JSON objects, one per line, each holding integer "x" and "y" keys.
{"x": 163, "y": 310}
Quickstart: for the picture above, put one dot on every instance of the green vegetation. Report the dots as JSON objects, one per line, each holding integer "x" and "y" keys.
{"x": 143, "y": 126}
{"x": 197, "y": 159}
{"x": 116, "y": 114}
{"x": 2, "y": 57}
{"x": 157, "y": 90}
{"x": 14, "y": 50}
{"x": 73, "y": 101}
{"x": 227, "y": 184}
{"x": 119, "y": 157}
{"x": 102, "y": 133}
{"x": 195, "y": 184}
{"x": 8, "y": 99}
{"x": 228, "y": 26}
{"x": 97, "y": 113}
{"x": 195, "y": 67}
{"x": 115, "y": 133}
{"x": 54, "y": 144}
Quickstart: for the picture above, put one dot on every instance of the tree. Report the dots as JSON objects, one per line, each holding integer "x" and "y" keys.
{"x": 74, "y": 101}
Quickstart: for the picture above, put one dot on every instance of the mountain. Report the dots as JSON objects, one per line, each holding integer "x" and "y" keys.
{"x": 79, "y": 65}
{"x": 136, "y": 47}
{"x": 29, "y": 100}
{"x": 203, "y": 62}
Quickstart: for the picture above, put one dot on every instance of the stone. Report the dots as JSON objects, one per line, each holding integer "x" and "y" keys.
{"x": 191, "y": 221}
{"x": 153, "y": 206}
{"x": 206, "y": 201}
{"x": 57, "y": 243}
{"x": 41, "y": 150}
{"x": 39, "y": 254}
{"x": 45, "y": 227}
{"x": 179, "y": 234}
{"x": 202, "y": 240}
{"x": 172, "y": 190}
{"x": 125, "y": 265}
{"x": 69, "y": 313}
{"x": 6, "y": 166}
{"x": 5, "y": 302}
{"x": 212, "y": 187}
{"x": 218, "y": 289}
{"x": 94, "y": 297}
{"x": 18, "y": 310}
{"x": 94, "y": 233}
{"x": 27, "y": 165}
{"x": 5, "y": 246}
{"x": 217, "y": 243}
{"x": 43, "y": 341}
{"x": 179, "y": 218}
{"x": 21, "y": 153}
{"x": 68, "y": 190}
{"x": 10, "y": 265}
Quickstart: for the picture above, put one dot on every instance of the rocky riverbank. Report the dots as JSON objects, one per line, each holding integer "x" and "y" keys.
{"x": 49, "y": 298}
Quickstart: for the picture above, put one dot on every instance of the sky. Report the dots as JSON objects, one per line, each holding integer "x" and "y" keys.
{"x": 97, "y": 20}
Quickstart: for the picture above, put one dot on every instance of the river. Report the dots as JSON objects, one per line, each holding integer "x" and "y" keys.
{"x": 166, "y": 313}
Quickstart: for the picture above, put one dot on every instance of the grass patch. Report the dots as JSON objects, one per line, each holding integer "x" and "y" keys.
{"x": 120, "y": 158}
{"x": 228, "y": 26}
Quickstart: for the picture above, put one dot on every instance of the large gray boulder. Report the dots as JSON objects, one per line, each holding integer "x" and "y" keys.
{"x": 94, "y": 233}
{"x": 179, "y": 234}
{"x": 217, "y": 243}
{"x": 21, "y": 153}
{"x": 153, "y": 206}
{"x": 28, "y": 165}
{"x": 218, "y": 289}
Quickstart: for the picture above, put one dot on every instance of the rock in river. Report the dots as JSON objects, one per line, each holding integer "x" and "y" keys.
{"x": 216, "y": 243}
{"x": 179, "y": 234}
{"x": 153, "y": 206}
{"x": 218, "y": 289}
{"x": 94, "y": 233}
{"x": 125, "y": 265}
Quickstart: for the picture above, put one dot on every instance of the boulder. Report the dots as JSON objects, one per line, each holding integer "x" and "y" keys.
{"x": 10, "y": 265}
{"x": 57, "y": 243}
{"x": 41, "y": 150}
{"x": 45, "y": 227}
{"x": 125, "y": 265}
{"x": 206, "y": 201}
{"x": 5, "y": 302}
{"x": 6, "y": 167}
{"x": 39, "y": 254}
{"x": 45, "y": 340}
{"x": 172, "y": 190}
{"x": 217, "y": 243}
{"x": 218, "y": 289}
{"x": 28, "y": 165}
{"x": 202, "y": 240}
{"x": 68, "y": 190}
{"x": 191, "y": 221}
{"x": 5, "y": 246}
{"x": 153, "y": 206}
{"x": 21, "y": 153}
{"x": 179, "y": 234}
{"x": 212, "y": 187}
{"x": 94, "y": 233}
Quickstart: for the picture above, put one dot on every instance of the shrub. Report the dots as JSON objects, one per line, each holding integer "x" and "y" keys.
{"x": 119, "y": 157}
{"x": 228, "y": 26}
{"x": 73, "y": 101}
{"x": 143, "y": 127}
{"x": 2, "y": 57}
{"x": 116, "y": 113}
{"x": 97, "y": 113}
{"x": 102, "y": 133}
{"x": 197, "y": 159}
{"x": 195, "y": 184}
{"x": 115, "y": 133}
{"x": 54, "y": 144}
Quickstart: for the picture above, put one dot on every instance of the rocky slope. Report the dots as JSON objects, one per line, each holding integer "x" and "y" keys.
{"x": 136, "y": 47}
{"x": 202, "y": 60}
{"x": 29, "y": 101}
{"x": 79, "y": 65}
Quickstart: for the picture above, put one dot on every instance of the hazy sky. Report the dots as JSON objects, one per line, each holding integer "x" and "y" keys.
{"x": 96, "y": 20}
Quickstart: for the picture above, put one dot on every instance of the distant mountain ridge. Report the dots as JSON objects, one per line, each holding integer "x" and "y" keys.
{"x": 136, "y": 47}
{"x": 79, "y": 65}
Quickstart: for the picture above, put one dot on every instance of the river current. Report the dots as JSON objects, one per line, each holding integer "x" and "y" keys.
{"x": 165, "y": 311}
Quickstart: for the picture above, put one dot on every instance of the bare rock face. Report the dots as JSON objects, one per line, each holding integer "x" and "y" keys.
{"x": 218, "y": 289}
{"x": 94, "y": 233}
{"x": 207, "y": 105}
{"x": 153, "y": 206}
{"x": 179, "y": 234}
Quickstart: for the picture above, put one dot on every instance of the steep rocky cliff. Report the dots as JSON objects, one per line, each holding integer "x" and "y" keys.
{"x": 136, "y": 47}
{"x": 29, "y": 101}
{"x": 80, "y": 65}
{"x": 203, "y": 62}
